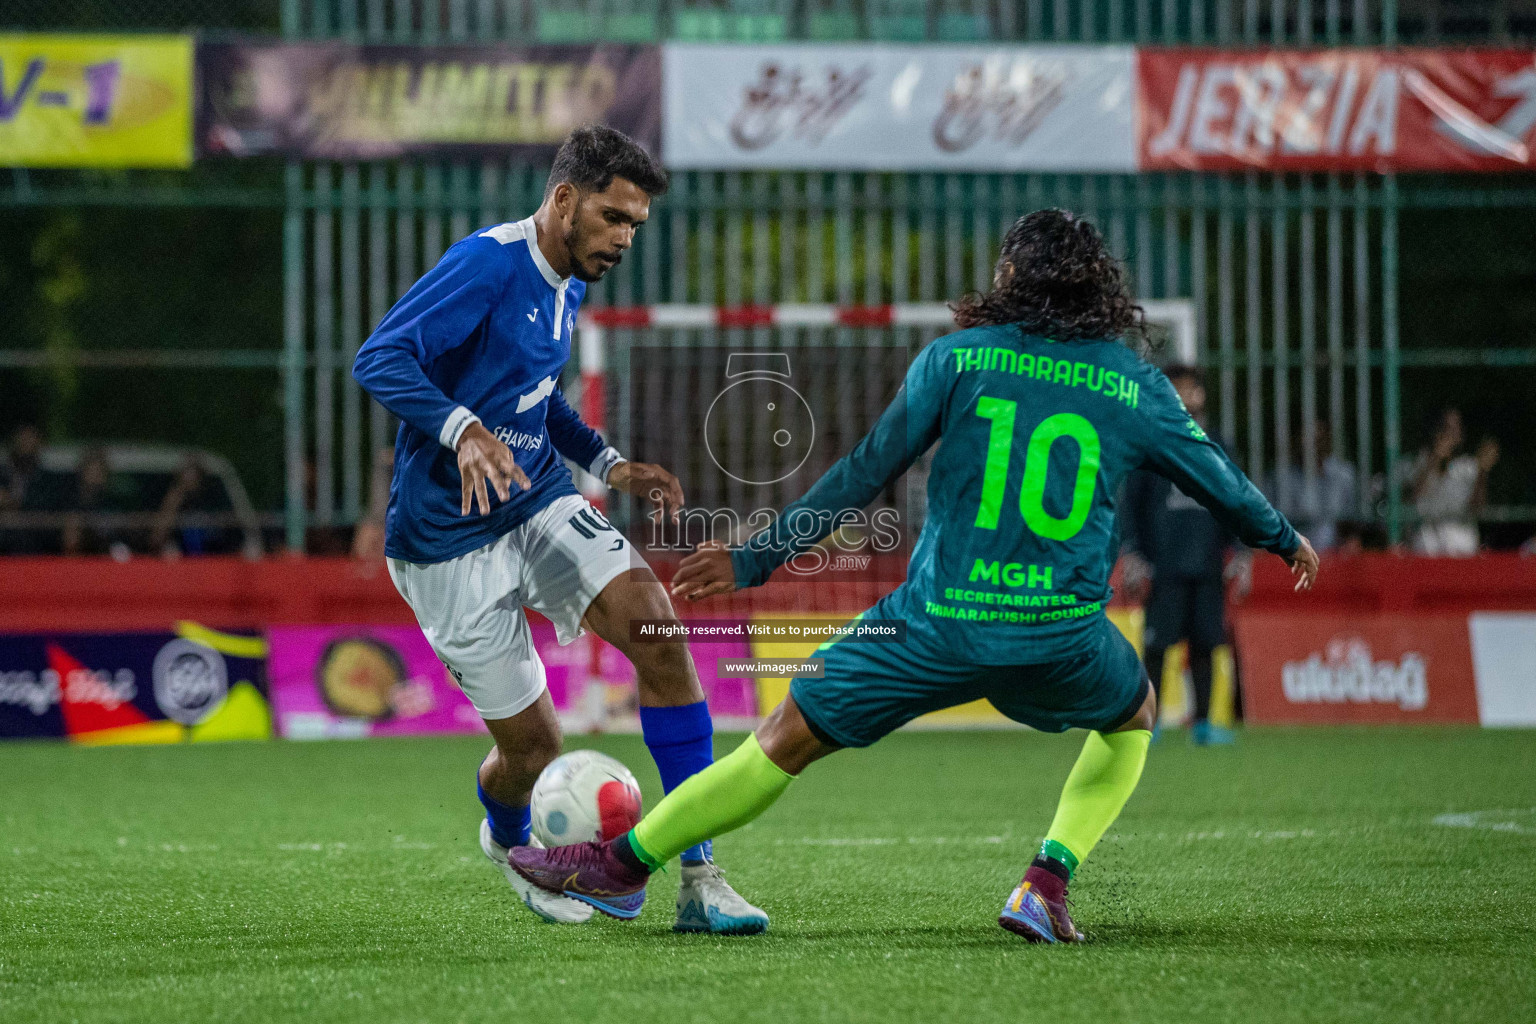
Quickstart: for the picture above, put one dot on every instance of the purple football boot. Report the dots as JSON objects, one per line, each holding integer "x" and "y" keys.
{"x": 586, "y": 871}
{"x": 1037, "y": 909}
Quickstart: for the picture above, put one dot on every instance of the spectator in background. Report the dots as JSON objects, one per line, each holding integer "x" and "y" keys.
{"x": 1177, "y": 547}
{"x": 182, "y": 524}
{"x": 1318, "y": 506}
{"x": 21, "y": 467}
{"x": 95, "y": 493}
{"x": 368, "y": 538}
{"x": 26, "y": 487}
{"x": 1450, "y": 489}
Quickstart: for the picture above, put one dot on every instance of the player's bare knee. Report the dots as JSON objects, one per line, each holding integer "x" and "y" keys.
{"x": 788, "y": 741}
{"x": 665, "y": 674}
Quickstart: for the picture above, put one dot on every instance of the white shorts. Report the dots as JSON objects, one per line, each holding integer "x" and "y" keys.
{"x": 471, "y": 607}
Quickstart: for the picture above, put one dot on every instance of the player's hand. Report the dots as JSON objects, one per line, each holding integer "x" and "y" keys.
{"x": 705, "y": 573}
{"x": 482, "y": 457}
{"x": 1304, "y": 565}
{"x": 644, "y": 480}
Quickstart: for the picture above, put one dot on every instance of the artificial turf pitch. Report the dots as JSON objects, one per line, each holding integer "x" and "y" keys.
{"x": 1297, "y": 876}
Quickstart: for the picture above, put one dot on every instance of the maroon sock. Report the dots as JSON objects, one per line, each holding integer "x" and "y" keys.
{"x": 1051, "y": 886}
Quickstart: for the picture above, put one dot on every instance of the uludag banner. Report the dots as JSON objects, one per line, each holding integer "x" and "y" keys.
{"x": 1336, "y": 110}
{"x": 872, "y": 107}
{"x": 1369, "y": 669}
{"x": 338, "y": 101}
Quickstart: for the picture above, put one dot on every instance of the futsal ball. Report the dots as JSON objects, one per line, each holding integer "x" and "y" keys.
{"x": 584, "y": 796}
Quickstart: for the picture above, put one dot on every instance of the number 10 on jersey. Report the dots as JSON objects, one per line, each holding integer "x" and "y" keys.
{"x": 1037, "y": 458}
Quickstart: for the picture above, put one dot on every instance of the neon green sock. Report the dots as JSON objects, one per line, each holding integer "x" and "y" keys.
{"x": 1101, "y": 782}
{"x": 722, "y": 797}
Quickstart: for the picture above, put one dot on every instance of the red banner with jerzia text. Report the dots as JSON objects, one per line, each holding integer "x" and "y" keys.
{"x": 1321, "y": 669}
{"x": 1336, "y": 110}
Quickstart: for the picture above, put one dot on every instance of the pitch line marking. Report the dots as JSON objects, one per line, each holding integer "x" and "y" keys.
{"x": 1519, "y": 821}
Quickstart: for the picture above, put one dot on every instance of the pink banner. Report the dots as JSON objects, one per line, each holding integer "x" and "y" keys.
{"x": 354, "y": 681}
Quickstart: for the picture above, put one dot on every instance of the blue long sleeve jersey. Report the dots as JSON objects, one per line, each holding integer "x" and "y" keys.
{"x": 481, "y": 337}
{"x": 1034, "y": 439}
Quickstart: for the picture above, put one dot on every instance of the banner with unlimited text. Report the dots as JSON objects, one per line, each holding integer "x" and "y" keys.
{"x": 340, "y": 101}
{"x": 95, "y": 101}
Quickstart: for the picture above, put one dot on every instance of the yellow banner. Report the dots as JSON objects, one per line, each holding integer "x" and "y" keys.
{"x": 95, "y": 101}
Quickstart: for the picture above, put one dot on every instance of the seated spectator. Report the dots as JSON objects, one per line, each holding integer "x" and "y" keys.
{"x": 96, "y": 492}
{"x": 1317, "y": 507}
{"x": 25, "y": 487}
{"x": 20, "y": 466}
{"x": 1450, "y": 489}
{"x": 182, "y": 524}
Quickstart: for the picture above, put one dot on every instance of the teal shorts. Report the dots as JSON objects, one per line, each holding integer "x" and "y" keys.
{"x": 870, "y": 689}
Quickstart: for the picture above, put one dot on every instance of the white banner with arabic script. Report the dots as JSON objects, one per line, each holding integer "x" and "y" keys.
{"x": 883, "y": 107}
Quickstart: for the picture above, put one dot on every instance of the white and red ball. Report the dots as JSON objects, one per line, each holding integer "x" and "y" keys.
{"x": 584, "y": 796}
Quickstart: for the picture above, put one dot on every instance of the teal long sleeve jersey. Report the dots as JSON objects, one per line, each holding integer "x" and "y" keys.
{"x": 1035, "y": 436}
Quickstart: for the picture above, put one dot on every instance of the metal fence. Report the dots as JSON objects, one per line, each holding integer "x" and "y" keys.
{"x": 1293, "y": 281}
{"x": 1293, "y": 278}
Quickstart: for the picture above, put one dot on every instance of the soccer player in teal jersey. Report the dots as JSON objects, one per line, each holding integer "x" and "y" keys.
{"x": 1040, "y": 409}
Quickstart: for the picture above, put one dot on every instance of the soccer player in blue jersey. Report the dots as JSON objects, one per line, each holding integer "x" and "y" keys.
{"x": 469, "y": 359}
{"x": 1039, "y": 410}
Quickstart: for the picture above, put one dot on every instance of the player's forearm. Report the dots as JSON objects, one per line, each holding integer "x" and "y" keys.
{"x": 576, "y": 440}
{"x": 907, "y": 428}
{"x": 400, "y": 385}
{"x": 1253, "y": 520}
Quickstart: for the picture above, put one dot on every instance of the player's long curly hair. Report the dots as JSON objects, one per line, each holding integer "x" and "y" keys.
{"x": 1056, "y": 278}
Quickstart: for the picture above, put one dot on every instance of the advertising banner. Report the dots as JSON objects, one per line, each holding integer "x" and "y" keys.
{"x": 339, "y": 101}
{"x": 354, "y": 681}
{"x": 95, "y": 101}
{"x": 99, "y": 688}
{"x": 1336, "y": 110}
{"x": 1504, "y": 654}
{"x": 1301, "y": 669}
{"x": 887, "y": 107}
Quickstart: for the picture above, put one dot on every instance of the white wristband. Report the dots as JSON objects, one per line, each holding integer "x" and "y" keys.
{"x": 604, "y": 463}
{"x": 455, "y": 425}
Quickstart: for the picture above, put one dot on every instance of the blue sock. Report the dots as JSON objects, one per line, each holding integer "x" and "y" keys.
{"x": 510, "y": 826}
{"x": 682, "y": 742}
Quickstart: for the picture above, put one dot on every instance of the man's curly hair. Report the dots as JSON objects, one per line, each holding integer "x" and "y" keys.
{"x": 1057, "y": 279}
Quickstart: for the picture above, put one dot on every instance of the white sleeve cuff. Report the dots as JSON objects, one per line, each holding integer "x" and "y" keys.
{"x": 604, "y": 463}
{"x": 454, "y": 426}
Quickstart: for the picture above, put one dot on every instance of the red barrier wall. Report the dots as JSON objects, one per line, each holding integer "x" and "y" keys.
{"x": 1399, "y": 583}
{"x": 83, "y": 594}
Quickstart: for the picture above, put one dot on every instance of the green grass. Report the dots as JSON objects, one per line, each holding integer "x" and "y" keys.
{"x": 1298, "y": 876}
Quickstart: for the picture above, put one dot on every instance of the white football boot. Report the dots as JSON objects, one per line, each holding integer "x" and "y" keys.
{"x": 550, "y": 906}
{"x": 707, "y": 903}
